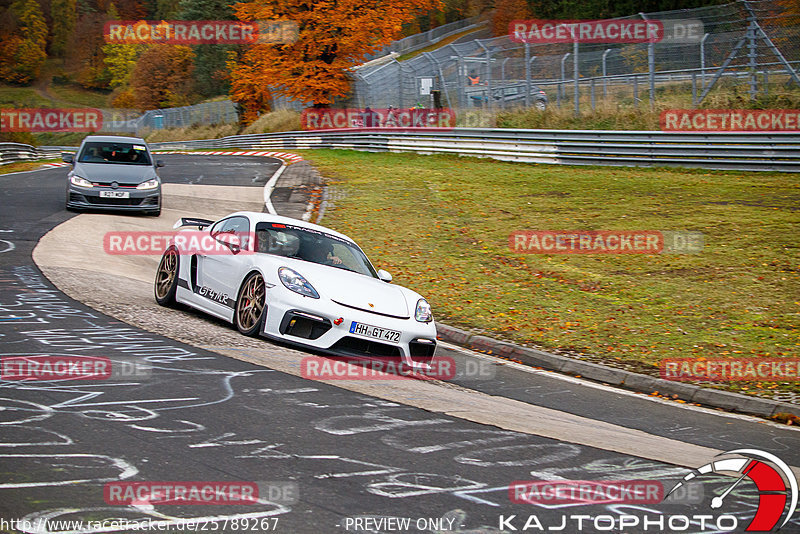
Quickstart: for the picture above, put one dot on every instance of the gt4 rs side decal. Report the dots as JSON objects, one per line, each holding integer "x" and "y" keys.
{"x": 208, "y": 293}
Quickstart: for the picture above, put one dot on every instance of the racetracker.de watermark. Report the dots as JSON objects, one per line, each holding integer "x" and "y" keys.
{"x": 50, "y": 120}
{"x": 192, "y": 32}
{"x": 346, "y": 368}
{"x": 200, "y": 493}
{"x": 43, "y": 367}
{"x": 731, "y": 369}
{"x": 539, "y": 31}
{"x": 561, "y": 492}
{"x": 605, "y": 242}
{"x": 730, "y": 120}
{"x": 190, "y": 242}
{"x": 329, "y": 118}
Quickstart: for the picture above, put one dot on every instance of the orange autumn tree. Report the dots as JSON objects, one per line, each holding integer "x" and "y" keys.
{"x": 333, "y": 35}
{"x": 507, "y": 11}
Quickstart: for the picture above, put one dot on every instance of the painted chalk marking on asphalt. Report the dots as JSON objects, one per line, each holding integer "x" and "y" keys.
{"x": 5, "y": 245}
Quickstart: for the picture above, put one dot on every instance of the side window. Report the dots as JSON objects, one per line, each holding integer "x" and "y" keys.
{"x": 348, "y": 261}
{"x": 238, "y": 226}
{"x": 277, "y": 242}
{"x": 217, "y": 227}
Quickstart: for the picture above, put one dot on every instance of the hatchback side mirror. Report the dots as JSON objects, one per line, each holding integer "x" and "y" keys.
{"x": 385, "y": 276}
{"x": 68, "y": 158}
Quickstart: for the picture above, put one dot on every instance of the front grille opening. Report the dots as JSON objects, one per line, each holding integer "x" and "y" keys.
{"x": 422, "y": 350}
{"x": 306, "y": 326}
{"x": 114, "y": 201}
{"x": 364, "y": 347}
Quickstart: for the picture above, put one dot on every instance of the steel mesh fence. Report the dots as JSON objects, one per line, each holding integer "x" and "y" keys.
{"x": 499, "y": 73}
{"x": 514, "y": 73}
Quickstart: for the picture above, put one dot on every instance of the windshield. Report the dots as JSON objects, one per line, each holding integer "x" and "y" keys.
{"x": 114, "y": 152}
{"x": 313, "y": 246}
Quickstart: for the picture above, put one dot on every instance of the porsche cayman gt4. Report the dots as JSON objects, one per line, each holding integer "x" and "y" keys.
{"x": 294, "y": 281}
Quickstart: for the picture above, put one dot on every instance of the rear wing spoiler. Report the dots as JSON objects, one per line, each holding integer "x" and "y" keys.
{"x": 192, "y": 221}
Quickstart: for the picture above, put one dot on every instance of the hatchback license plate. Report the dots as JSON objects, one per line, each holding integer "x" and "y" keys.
{"x": 115, "y": 194}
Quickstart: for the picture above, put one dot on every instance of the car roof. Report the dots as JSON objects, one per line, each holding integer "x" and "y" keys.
{"x": 258, "y": 217}
{"x": 113, "y": 138}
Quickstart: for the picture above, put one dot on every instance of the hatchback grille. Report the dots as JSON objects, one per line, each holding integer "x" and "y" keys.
{"x": 113, "y": 201}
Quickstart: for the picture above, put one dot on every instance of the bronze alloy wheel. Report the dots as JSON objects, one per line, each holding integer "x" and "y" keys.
{"x": 251, "y": 305}
{"x": 167, "y": 277}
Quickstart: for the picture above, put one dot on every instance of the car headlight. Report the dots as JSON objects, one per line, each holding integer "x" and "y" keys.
{"x": 295, "y": 281}
{"x": 423, "y": 312}
{"x": 80, "y": 182}
{"x": 149, "y": 184}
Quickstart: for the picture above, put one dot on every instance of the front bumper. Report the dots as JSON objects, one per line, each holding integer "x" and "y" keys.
{"x": 138, "y": 200}
{"x": 312, "y": 324}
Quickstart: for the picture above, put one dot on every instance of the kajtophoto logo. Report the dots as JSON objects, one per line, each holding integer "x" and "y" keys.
{"x": 738, "y": 477}
{"x": 774, "y": 480}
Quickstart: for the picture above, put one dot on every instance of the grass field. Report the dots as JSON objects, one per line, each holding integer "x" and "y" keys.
{"x": 619, "y": 110}
{"x": 22, "y": 97}
{"x": 441, "y": 225}
{"x": 77, "y": 96}
{"x": 65, "y": 96}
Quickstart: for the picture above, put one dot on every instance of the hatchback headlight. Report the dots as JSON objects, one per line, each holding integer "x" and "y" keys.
{"x": 80, "y": 182}
{"x": 149, "y": 184}
{"x": 295, "y": 281}
{"x": 423, "y": 312}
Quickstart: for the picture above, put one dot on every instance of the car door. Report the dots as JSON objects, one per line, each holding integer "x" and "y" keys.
{"x": 220, "y": 269}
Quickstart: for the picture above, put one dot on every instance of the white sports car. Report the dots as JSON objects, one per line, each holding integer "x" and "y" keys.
{"x": 297, "y": 282}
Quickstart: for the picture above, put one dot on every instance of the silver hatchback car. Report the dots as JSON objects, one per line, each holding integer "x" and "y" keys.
{"x": 114, "y": 173}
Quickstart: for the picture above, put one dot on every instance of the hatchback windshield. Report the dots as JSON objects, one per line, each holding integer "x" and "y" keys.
{"x": 310, "y": 245}
{"x": 114, "y": 152}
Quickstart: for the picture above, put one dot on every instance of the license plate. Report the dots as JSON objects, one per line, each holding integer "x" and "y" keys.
{"x": 375, "y": 332}
{"x": 115, "y": 194}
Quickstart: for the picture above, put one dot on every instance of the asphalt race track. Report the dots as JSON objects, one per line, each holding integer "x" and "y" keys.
{"x": 213, "y": 406}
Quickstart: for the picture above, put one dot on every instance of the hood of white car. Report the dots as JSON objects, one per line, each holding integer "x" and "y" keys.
{"x": 355, "y": 290}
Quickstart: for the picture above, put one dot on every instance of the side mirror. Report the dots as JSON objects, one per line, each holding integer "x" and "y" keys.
{"x": 385, "y": 276}
{"x": 68, "y": 158}
{"x": 159, "y": 163}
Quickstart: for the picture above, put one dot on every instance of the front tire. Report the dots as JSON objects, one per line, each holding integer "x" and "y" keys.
{"x": 251, "y": 305}
{"x": 166, "y": 283}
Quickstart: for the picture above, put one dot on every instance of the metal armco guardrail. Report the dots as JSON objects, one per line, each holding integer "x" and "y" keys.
{"x": 13, "y": 152}
{"x": 774, "y": 151}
